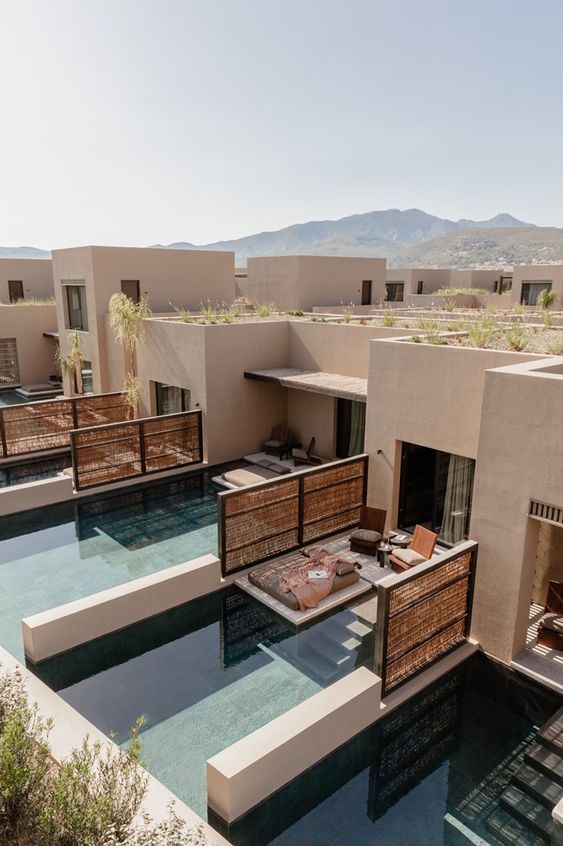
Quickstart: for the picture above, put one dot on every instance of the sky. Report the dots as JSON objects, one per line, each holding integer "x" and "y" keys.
{"x": 137, "y": 122}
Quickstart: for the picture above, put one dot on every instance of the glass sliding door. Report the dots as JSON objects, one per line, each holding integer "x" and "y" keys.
{"x": 350, "y": 428}
{"x": 436, "y": 491}
{"x": 170, "y": 399}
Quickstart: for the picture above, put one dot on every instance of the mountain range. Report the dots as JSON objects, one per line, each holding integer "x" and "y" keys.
{"x": 408, "y": 238}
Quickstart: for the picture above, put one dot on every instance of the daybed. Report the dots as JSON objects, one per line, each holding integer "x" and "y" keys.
{"x": 267, "y": 578}
{"x": 550, "y": 627}
{"x": 259, "y": 472}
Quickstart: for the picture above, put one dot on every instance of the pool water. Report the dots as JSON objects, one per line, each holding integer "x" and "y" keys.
{"x": 11, "y": 398}
{"x": 430, "y": 774}
{"x": 59, "y": 553}
{"x": 203, "y": 675}
{"x": 22, "y": 472}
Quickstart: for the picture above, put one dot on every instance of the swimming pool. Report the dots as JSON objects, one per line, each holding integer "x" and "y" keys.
{"x": 22, "y": 472}
{"x": 59, "y": 553}
{"x": 11, "y": 398}
{"x": 431, "y": 774}
{"x": 204, "y": 675}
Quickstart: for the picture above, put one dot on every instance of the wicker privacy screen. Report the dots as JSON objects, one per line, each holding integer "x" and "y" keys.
{"x": 274, "y": 517}
{"x": 424, "y": 614}
{"x": 39, "y": 426}
{"x": 119, "y": 451}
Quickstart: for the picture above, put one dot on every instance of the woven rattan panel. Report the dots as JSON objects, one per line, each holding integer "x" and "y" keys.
{"x": 37, "y": 426}
{"x": 9, "y": 369}
{"x": 105, "y": 454}
{"x": 332, "y": 499}
{"x": 260, "y": 523}
{"x": 419, "y": 587}
{"x": 99, "y": 409}
{"x": 419, "y": 622}
{"x": 412, "y": 662}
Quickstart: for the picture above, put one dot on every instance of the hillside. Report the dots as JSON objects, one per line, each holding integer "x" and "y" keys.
{"x": 24, "y": 252}
{"x": 376, "y": 233}
{"x": 486, "y": 248}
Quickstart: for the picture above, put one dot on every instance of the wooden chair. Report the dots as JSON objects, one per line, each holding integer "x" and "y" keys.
{"x": 366, "y": 538}
{"x": 423, "y": 542}
{"x": 279, "y": 441}
{"x": 302, "y": 456}
{"x": 550, "y": 627}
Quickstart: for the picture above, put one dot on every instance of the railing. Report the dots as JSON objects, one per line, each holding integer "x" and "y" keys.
{"x": 423, "y": 614}
{"x": 46, "y": 425}
{"x": 277, "y": 516}
{"x": 119, "y": 451}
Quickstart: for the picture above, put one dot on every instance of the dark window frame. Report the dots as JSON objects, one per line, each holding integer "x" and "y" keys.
{"x": 395, "y": 288}
{"x": 12, "y": 295}
{"x": 80, "y": 325}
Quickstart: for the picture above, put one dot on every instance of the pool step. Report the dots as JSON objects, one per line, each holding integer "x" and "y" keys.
{"x": 545, "y": 761}
{"x": 551, "y": 735}
{"x": 541, "y": 788}
{"x": 359, "y": 628}
{"x": 527, "y": 811}
{"x": 510, "y": 831}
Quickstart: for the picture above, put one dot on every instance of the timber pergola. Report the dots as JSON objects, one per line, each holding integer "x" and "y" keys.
{"x": 315, "y": 381}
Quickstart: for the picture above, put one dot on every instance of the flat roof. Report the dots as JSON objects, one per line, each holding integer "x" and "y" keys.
{"x": 316, "y": 381}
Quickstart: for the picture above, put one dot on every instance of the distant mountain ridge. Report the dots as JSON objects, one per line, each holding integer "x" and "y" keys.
{"x": 407, "y": 238}
{"x": 376, "y": 233}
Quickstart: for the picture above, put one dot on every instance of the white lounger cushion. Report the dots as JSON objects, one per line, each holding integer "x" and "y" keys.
{"x": 409, "y": 556}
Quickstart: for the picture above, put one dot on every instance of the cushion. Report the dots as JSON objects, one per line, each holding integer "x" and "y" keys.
{"x": 366, "y": 535}
{"x": 344, "y": 567}
{"x": 552, "y": 622}
{"x": 280, "y": 469}
{"x": 409, "y": 556}
{"x": 242, "y": 477}
{"x": 299, "y": 453}
{"x": 275, "y": 444}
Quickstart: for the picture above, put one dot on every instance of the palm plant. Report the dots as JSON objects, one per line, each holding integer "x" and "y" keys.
{"x": 71, "y": 363}
{"x": 126, "y": 319}
{"x": 545, "y": 299}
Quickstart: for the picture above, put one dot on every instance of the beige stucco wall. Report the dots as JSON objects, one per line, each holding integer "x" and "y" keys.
{"x": 238, "y": 414}
{"x": 313, "y": 415}
{"x": 335, "y": 347}
{"x": 520, "y": 457}
{"x": 168, "y": 278}
{"x": 36, "y": 275}
{"x": 301, "y": 282}
{"x": 538, "y": 273}
{"x": 427, "y": 395}
{"x": 35, "y": 353}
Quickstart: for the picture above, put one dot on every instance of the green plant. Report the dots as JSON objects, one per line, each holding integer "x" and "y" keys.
{"x": 519, "y": 311}
{"x": 184, "y": 314}
{"x": 547, "y": 319}
{"x": 71, "y": 363}
{"x": 208, "y": 313}
{"x": 347, "y": 315}
{"x": 546, "y": 298}
{"x": 35, "y": 301}
{"x": 126, "y": 318}
{"x": 296, "y": 313}
{"x": 132, "y": 393}
{"x": 389, "y": 320}
{"x": 459, "y": 292}
{"x": 449, "y": 304}
{"x": 265, "y": 309}
{"x": 555, "y": 347}
{"x": 24, "y": 761}
{"x": 171, "y": 831}
{"x": 431, "y": 329}
{"x": 482, "y": 331}
{"x": 516, "y": 337}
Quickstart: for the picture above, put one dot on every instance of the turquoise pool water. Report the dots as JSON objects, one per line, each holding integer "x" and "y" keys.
{"x": 203, "y": 675}
{"x": 11, "y": 398}
{"x": 431, "y": 774}
{"x": 63, "y": 552}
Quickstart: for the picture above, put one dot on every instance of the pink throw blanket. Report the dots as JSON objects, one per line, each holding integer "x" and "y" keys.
{"x": 310, "y": 592}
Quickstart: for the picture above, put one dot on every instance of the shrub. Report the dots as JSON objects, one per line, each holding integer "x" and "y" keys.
{"x": 449, "y": 304}
{"x": 265, "y": 309}
{"x": 389, "y": 320}
{"x": 517, "y": 338}
{"x": 482, "y": 331}
{"x": 547, "y": 318}
{"x": 545, "y": 299}
{"x": 208, "y": 313}
{"x": 184, "y": 315}
{"x": 295, "y": 313}
{"x": 556, "y": 347}
{"x": 347, "y": 315}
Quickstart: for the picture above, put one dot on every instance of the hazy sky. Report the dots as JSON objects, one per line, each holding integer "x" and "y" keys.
{"x": 143, "y": 121}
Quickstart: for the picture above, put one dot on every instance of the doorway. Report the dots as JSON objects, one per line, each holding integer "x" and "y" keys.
{"x": 366, "y": 292}
{"x": 350, "y": 427}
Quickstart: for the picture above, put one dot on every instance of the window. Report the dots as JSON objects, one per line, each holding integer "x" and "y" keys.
{"x": 171, "y": 399}
{"x": 87, "y": 378}
{"x": 394, "y": 292}
{"x": 9, "y": 370}
{"x": 350, "y": 427}
{"x": 366, "y": 292}
{"x": 15, "y": 290}
{"x": 77, "y": 314}
{"x": 131, "y": 289}
{"x": 436, "y": 491}
{"x": 531, "y": 292}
